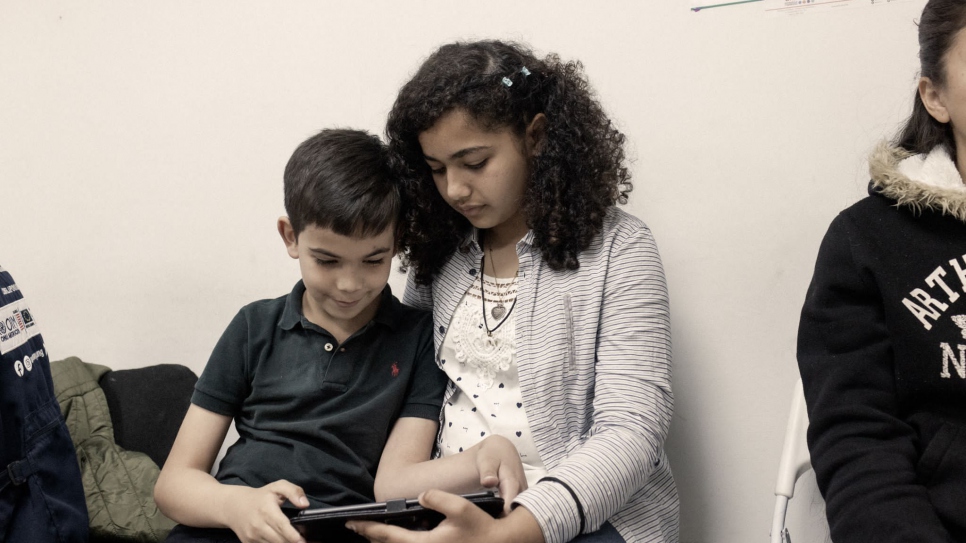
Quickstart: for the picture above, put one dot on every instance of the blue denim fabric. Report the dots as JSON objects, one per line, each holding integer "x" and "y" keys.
{"x": 41, "y": 494}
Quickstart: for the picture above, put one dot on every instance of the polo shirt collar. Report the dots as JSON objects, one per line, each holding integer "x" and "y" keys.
{"x": 388, "y": 313}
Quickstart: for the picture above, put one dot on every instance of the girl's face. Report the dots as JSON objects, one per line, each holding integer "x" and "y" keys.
{"x": 481, "y": 173}
{"x": 947, "y": 104}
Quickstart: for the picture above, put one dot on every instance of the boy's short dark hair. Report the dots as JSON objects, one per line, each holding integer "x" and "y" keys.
{"x": 341, "y": 179}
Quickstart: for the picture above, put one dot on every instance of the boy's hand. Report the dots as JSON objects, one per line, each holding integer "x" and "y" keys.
{"x": 499, "y": 465}
{"x": 464, "y": 522}
{"x": 255, "y": 515}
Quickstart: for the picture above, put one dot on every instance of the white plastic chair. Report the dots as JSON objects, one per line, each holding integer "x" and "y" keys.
{"x": 794, "y": 462}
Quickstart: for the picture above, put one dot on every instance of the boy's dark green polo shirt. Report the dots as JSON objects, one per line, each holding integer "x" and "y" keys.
{"x": 311, "y": 411}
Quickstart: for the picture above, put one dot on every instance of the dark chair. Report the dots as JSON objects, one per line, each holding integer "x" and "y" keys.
{"x": 147, "y": 406}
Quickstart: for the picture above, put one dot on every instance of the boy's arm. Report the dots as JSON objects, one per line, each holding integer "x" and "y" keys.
{"x": 405, "y": 469}
{"x": 187, "y": 493}
{"x": 185, "y": 477}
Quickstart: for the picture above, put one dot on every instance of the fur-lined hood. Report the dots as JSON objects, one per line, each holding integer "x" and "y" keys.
{"x": 919, "y": 181}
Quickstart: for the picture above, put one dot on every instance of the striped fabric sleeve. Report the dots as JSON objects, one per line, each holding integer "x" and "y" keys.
{"x": 418, "y": 296}
{"x": 632, "y": 402}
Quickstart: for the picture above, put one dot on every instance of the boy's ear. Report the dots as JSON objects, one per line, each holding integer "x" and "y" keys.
{"x": 536, "y": 134}
{"x": 934, "y": 100}
{"x": 288, "y": 236}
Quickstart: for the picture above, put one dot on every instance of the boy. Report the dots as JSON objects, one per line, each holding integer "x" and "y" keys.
{"x": 317, "y": 380}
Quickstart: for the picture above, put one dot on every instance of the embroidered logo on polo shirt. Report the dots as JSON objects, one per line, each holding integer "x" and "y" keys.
{"x": 395, "y": 369}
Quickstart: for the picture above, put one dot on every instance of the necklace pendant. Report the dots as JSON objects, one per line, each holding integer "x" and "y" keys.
{"x": 498, "y": 311}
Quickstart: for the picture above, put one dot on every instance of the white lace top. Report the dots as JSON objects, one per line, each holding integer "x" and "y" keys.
{"x": 488, "y": 400}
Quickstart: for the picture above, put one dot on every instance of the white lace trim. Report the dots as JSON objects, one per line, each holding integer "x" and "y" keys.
{"x": 487, "y": 353}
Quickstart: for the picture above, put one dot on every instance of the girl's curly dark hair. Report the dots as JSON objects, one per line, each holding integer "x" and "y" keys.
{"x": 578, "y": 173}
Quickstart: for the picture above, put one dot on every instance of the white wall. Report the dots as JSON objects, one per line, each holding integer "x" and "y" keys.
{"x": 142, "y": 146}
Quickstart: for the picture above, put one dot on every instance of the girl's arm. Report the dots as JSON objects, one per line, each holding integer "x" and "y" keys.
{"x": 863, "y": 453}
{"x": 188, "y": 494}
{"x": 405, "y": 468}
{"x": 420, "y": 296}
{"x": 632, "y": 404}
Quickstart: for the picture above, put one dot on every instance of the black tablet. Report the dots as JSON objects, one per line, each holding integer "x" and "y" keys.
{"x": 328, "y": 524}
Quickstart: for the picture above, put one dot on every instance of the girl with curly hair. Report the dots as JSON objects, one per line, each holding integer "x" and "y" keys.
{"x": 549, "y": 302}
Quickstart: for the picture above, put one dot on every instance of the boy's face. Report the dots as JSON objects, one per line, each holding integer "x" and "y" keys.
{"x": 344, "y": 275}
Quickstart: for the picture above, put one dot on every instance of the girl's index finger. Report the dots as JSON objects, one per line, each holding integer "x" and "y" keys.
{"x": 450, "y": 505}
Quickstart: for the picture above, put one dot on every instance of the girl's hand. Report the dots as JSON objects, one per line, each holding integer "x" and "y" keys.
{"x": 500, "y": 466}
{"x": 464, "y": 522}
{"x": 255, "y": 514}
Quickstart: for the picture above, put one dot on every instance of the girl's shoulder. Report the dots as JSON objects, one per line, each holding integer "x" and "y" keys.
{"x": 620, "y": 218}
{"x": 623, "y": 238}
{"x": 620, "y": 226}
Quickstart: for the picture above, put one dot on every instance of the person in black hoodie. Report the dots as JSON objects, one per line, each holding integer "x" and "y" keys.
{"x": 882, "y": 337}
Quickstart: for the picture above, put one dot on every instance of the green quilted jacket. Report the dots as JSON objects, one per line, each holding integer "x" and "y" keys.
{"x": 118, "y": 483}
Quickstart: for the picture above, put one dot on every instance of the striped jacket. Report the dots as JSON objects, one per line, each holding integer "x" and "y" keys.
{"x": 594, "y": 358}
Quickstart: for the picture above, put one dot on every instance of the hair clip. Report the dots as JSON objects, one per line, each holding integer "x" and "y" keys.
{"x": 524, "y": 71}
{"x": 507, "y": 82}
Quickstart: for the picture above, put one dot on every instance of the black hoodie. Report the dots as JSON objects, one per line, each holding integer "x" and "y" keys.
{"x": 882, "y": 353}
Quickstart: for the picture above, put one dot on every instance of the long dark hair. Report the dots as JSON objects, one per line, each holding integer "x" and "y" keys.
{"x": 577, "y": 175}
{"x": 940, "y": 22}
